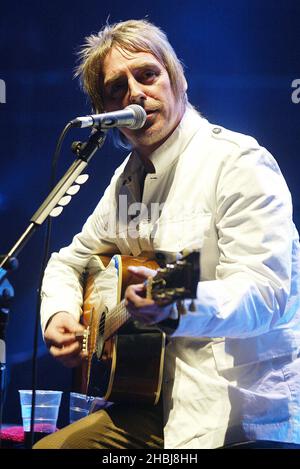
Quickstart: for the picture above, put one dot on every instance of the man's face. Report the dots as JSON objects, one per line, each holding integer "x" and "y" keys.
{"x": 139, "y": 78}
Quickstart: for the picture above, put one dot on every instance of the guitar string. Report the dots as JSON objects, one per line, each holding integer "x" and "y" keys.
{"x": 113, "y": 319}
{"x": 119, "y": 316}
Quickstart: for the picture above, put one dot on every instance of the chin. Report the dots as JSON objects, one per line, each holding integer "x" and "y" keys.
{"x": 151, "y": 137}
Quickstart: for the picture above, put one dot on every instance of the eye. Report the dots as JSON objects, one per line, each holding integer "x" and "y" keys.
{"x": 149, "y": 73}
{"x": 148, "y": 76}
{"x": 118, "y": 89}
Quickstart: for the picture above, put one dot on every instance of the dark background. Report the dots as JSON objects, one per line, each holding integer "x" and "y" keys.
{"x": 240, "y": 58}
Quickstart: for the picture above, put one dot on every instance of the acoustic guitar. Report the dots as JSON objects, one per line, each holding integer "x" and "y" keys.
{"x": 125, "y": 358}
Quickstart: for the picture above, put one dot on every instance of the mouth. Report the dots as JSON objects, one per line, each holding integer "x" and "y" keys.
{"x": 149, "y": 112}
{"x": 151, "y": 117}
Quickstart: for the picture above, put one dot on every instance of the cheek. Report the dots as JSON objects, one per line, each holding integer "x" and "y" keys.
{"x": 167, "y": 98}
{"x": 110, "y": 106}
{"x": 114, "y": 104}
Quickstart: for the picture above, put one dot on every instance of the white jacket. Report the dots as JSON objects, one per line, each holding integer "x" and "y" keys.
{"x": 232, "y": 366}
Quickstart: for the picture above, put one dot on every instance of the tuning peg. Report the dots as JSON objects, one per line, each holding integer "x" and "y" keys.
{"x": 56, "y": 211}
{"x": 82, "y": 178}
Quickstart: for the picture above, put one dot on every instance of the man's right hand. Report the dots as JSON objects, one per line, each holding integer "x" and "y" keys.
{"x": 60, "y": 338}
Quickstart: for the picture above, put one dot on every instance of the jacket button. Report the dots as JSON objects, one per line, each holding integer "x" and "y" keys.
{"x": 216, "y": 130}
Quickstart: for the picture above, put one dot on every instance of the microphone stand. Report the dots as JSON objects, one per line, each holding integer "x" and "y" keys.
{"x": 84, "y": 152}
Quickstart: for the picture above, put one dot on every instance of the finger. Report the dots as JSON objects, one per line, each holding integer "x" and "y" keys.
{"x": 65, "y": 351}
{"x": 64, "y": 321}
{"x": 59, "y": 339}
{"x": 137, "y": 300}
{"x": 138, "y": 287}
{"x": 71, "y": 325}
{"x": 63, "y": 341}
{"x": 142, "y": 272}
{"x": 66, "y": 327}
{"x": 134, "y": 291}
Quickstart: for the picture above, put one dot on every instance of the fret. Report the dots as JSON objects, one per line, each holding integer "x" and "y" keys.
{"x": 115, "y": 318}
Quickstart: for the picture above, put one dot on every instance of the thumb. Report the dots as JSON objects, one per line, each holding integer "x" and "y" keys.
{"x": 73, "y": 325}
{"x": 142, "y": 272}
{"x": 67, "y": 322}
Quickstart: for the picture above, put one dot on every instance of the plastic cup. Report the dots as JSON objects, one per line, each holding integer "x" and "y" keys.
{"x": 45, "y": 415}
{"x": 82, "y": 405}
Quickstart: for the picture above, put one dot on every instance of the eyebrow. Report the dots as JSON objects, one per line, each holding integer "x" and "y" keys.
{"x": 115, "y": 78}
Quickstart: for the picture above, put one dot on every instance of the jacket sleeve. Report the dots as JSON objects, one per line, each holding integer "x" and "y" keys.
{"x": 61, "y": 288}
{"x": 253, "y": 221}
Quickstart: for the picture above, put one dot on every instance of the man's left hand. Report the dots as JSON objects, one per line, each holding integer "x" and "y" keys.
{"x": 139, "y": 307}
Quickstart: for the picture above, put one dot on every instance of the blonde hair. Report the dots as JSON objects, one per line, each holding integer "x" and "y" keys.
{"x": 133, "y": 36}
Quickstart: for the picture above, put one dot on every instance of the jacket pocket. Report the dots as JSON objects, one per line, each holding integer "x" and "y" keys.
{"x": 183, "y": 231}
{"x": 233, "y": 356}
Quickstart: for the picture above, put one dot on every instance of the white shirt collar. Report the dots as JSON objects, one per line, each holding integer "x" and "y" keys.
{"x": 171, "y": 149}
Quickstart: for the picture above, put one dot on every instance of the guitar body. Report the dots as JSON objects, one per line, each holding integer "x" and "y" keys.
{"x": 127, "y": 365}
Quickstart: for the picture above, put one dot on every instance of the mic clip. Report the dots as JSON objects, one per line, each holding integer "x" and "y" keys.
{"x": 75, "y": 147}
{"x": 84, "y": 150}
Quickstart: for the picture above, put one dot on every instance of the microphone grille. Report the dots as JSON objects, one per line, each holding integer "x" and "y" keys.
{"x": 139, "y": 114}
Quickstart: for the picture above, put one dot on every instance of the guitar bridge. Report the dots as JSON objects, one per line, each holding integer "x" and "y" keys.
{"x": 85, "y": 338}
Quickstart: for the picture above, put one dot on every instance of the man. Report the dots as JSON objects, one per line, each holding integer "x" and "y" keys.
{"x": 231, "y": 369}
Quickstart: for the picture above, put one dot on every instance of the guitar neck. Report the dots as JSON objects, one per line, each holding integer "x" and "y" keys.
{"x": 114, "y": 320}
{"x": 175, "y": 281}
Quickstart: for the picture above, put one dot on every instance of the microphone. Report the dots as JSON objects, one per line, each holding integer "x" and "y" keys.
{"x": 132, "y": 117}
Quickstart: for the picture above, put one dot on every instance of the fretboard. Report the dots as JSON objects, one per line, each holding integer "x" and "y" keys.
{"x": 115, "y": 318}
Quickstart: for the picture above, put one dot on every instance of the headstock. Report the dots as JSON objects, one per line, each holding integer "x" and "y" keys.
{"x": 176, "y": 280}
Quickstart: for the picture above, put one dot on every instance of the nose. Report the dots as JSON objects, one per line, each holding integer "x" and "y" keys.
{"x": 136, "y": 91}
